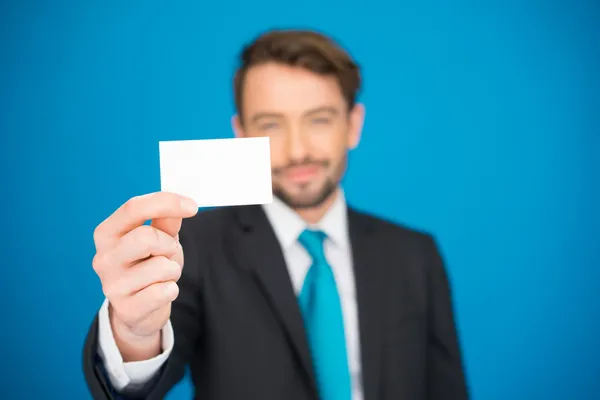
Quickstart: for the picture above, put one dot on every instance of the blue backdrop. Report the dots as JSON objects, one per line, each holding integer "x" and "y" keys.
{"x": 482, "y": 126}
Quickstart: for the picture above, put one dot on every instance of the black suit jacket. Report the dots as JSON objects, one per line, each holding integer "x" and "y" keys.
{"x": 238, "y": 325}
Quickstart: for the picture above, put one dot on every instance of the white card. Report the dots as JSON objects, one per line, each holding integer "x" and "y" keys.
{"x": 218, "y": 172}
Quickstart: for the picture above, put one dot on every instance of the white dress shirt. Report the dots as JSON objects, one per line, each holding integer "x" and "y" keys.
{"x": 287, "y": 226}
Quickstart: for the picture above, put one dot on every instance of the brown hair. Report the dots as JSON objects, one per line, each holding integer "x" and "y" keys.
{"x": 302, "y": 48}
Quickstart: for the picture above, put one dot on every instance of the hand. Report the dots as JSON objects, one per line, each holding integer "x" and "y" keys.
{"x": 139, "y": 266}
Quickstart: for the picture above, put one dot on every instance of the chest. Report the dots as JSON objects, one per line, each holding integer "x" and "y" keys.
{"x": 298, "y": 262}
{"x": 252, "y": 321}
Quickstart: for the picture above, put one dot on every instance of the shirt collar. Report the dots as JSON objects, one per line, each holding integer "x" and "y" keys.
{"x": 288, "y": 225}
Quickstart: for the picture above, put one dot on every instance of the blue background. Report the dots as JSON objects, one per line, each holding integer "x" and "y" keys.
{"x": 482, "y": 127}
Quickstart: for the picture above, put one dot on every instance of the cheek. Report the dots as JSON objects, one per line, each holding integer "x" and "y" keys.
{"x": 278, "y": 157}
{"x": 329, "y": 143}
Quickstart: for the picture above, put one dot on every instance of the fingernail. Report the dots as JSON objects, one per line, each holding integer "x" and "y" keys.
{"x": 171, "y": 289}
{"x": 189, "y": 205}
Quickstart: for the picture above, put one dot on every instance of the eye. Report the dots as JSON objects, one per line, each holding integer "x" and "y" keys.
{"x": 320, "y": 120}
{"x": 268, "y": 126}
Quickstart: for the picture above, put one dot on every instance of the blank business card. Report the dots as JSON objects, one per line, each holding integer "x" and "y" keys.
{"x": 218, "y": 172}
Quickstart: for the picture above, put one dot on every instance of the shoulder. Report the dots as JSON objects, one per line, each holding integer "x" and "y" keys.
{"x": 387, "y": 226}
{"x": 398, "y": 235}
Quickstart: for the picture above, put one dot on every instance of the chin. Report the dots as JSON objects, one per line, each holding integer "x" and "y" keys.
{"x": 306, "y": 196}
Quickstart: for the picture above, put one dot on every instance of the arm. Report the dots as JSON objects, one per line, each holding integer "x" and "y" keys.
{"x": 107, "y": 376}
{"x": 445, "y": 371}
{"x": 129, "y": 377}
{"x": 105, "y": 372}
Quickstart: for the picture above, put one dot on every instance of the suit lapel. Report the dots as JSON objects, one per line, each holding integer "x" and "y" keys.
{"x": 258, "y": 250}
{"x": 370, "y": 285}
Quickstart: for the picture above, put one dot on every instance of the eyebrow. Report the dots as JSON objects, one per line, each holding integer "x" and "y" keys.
{"x": 259, "y": 116}
{"x": 323, "y": 109}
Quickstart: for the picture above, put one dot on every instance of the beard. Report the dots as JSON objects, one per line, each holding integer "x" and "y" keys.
{"x": 310, "y": 199}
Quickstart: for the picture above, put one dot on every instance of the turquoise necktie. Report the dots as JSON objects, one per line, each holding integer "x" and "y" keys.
{"x": 324, "y": 322}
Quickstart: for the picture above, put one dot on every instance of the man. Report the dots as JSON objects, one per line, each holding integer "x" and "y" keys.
{"x": 305, "y": 298}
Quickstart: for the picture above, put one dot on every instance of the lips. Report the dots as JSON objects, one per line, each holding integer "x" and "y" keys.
{"x": 301, "y": 174}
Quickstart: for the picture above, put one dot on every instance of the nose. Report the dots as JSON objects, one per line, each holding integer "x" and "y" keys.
{"x": 297, "y": 145}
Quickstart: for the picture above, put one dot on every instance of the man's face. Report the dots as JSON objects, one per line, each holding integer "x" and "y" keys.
{"x": 309, "y": 127}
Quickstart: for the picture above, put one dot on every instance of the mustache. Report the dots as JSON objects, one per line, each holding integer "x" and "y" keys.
{"x": 307, "y": 162}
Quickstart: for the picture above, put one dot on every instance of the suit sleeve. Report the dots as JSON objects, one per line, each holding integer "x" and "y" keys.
{"x": 129, "y": 376}
{"x": 445, "y": 372}
{"x": 186, "y": 321}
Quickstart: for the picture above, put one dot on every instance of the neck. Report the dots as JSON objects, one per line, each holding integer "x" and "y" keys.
{"x": 314, "y": 214}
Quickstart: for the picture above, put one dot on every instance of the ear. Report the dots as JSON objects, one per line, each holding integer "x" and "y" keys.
{"x": 236, "y": 125}
{"x": 357, "y": 118}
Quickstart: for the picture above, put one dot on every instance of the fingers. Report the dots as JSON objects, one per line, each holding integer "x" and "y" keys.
{"x": 142, "y": 275}
{"x": 139, "y": 244}
{"x": 170, "y": 226}
{"x": 133, "y": 309}
{"x": 143, "y": 288}
{"x": 138, "y": 290}
{"x": 137, "y": 210}
{"x": 143, "y": 242}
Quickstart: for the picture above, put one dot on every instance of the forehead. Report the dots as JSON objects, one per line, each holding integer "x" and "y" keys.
{"x": 289, "y": 90}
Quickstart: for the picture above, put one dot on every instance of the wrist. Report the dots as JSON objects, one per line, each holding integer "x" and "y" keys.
{"x": 134, "y": 347}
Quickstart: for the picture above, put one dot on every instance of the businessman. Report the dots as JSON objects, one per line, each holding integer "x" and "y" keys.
{"x": 304, "y": 298}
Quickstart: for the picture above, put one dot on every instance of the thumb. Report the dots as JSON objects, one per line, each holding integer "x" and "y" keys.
{"x": 170, "y": 226}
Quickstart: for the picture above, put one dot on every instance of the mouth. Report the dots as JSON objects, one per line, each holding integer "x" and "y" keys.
{"x": 301, "y": 174}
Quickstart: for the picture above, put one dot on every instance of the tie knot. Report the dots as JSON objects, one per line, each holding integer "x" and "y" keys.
{"x": 313, "y": 243}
